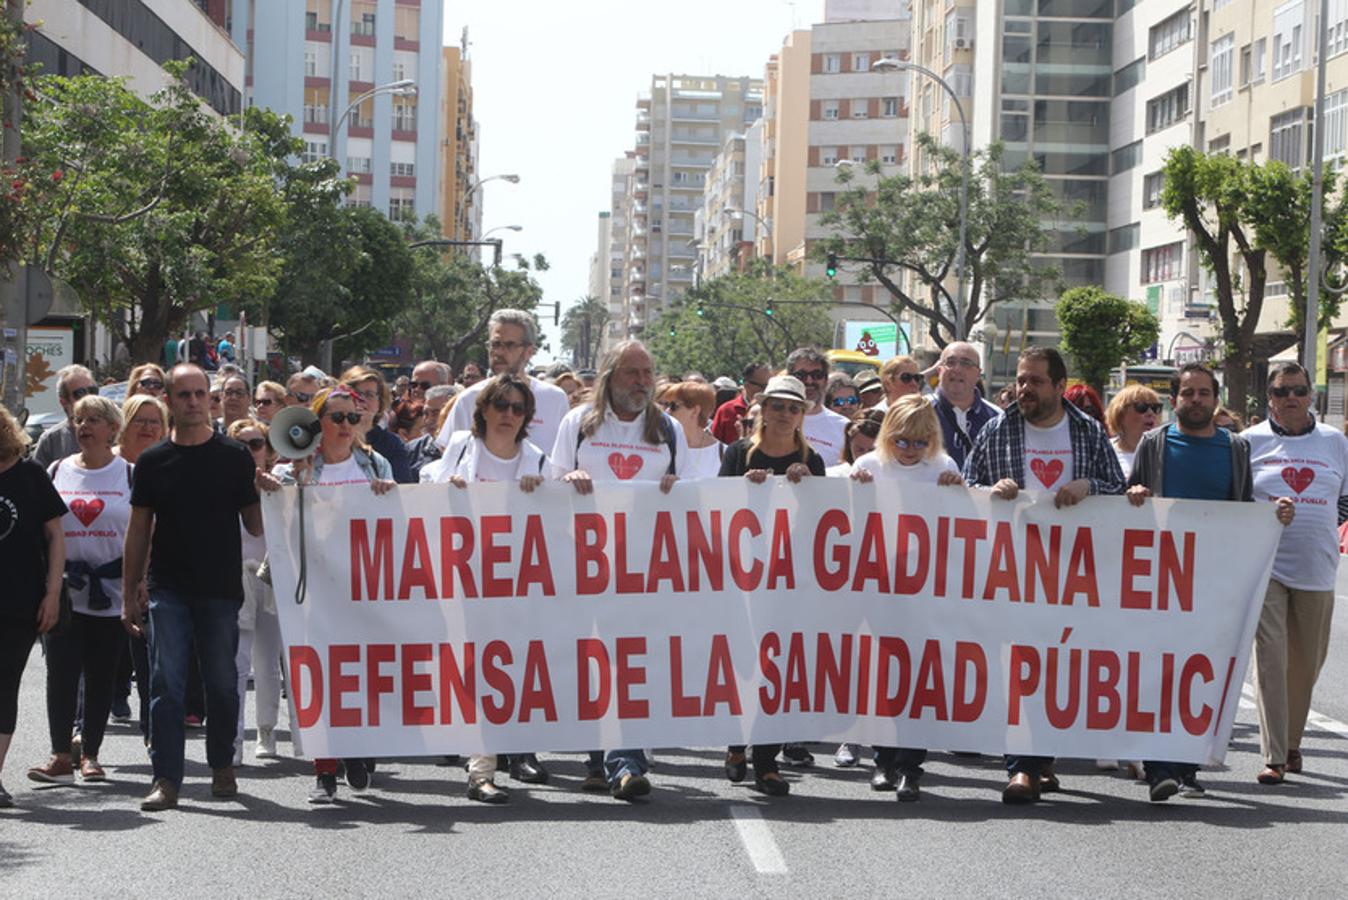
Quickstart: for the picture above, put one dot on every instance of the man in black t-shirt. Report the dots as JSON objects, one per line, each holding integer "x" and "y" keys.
{"x": 189, "y": 493}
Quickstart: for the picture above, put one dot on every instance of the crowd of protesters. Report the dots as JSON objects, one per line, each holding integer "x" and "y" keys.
{"x": 146, "y": 515}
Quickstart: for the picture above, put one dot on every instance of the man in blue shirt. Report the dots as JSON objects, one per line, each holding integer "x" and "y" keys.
{"x": 1191, "y": 458}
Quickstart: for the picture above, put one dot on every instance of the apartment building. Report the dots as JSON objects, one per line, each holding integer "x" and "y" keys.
{"x": 727, "y": 226}
{"x": 460, "y": 203}
{"x": 621, "y": 248}
{"x": 681, "y": 124}
{"x": 313, "y": 58}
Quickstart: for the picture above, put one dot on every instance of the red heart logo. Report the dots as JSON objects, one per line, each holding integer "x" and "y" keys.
{"x": 625, "y": 467}
{"x": 86, "y": 510}
{"x": 1046, "y": 472}
{"x": 1298, "y": 479}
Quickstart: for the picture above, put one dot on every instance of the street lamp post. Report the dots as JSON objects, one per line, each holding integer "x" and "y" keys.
{"x": 890, "y": 64}
{"x": 405, "y": 87}
{"x": 766, "y": 224}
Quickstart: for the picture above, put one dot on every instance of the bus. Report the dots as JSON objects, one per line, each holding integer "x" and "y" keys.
{"x": 1152, "y": 375}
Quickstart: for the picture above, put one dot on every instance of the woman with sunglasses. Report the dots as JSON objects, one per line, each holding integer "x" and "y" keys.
{"x": 146, "y": 378}
{"x": 776, "y": 447}
{"x": 841, "y": 395}
{"x": 692, "y": 405}
{"x": 859, "y": 440}
{"x": 1133, "y": 412}
{"x": 269, "y": 398}
{"x": 259, "y": 626}
{"x": 901, "y": 377}
{"x": 342, "y": 458}
{"x": 495, "y": 449}
{"x": 909, "y": 449}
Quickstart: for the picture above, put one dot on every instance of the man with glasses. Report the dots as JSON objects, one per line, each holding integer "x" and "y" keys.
{"x": 1047, "y": 445}
{"x": 512, "y": 337}
{"x": 426, "y": 375}
{"x": 962, "y": 411}
{"x": 234, "y": 397}
{"x": 72, "y": 383}
{"x": 728, "y": 414}
{"x": 825, "y": 430}
{"x": 1290, "y": 451}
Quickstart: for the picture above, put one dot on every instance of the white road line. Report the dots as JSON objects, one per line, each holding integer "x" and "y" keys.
{"x": 758, "y": 841}
{"x": 1315, "y": 719}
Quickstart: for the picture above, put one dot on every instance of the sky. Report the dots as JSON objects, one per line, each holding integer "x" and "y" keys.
{"x": 555, "y": 86}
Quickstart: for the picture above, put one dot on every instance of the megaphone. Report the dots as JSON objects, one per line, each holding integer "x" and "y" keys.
{"x": 294, "y": 433}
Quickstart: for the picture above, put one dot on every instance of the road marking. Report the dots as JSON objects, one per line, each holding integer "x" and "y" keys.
{"x": 1318, "y": 720}
{"x": 758, "y": 841}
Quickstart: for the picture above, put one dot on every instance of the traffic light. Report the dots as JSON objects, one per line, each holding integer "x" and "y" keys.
{"x": 700, "y": 311}
{"x": 768, "y": 310}
{"x": 831, "y": 267}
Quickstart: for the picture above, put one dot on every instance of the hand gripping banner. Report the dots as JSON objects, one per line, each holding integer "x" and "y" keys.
{"x": 440, "y": 620}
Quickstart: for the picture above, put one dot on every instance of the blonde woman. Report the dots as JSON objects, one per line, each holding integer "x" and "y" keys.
{"x": 32, "y": 556}
{"x": 144, "y": 424}
{"x": 909, "y": 449}
{"x": 901, "y": 378}
{"x": 1133, "y": 412}
{"x": 145, "y": 379}
{"x": 96, "y": 487}
{"x": 269, "y": 398}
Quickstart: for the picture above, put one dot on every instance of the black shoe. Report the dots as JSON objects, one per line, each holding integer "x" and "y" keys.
{"x": 772, "y": 784}
{"x": 485, "y": 791}
{"x": 736, "y": 767}
{"x": 797, "y": 755}
{"x": 526, "y": 768}
{"x": 629, "y": 787}
{"x": 907, "y": 790}
{"x": 883, "y": 778}
{"x": 357, "y": 775}
{"x": 1163, "y": 789}
{"x": 325, "y": 789}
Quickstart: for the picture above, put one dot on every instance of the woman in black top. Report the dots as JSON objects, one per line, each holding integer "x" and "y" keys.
{"x": 777, "y": 447}
{"x": 32, "y": 556}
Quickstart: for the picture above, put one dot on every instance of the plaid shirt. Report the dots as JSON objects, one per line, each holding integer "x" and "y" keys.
{"x": 999, "y": 452}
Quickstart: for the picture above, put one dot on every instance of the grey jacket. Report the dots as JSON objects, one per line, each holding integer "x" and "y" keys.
{"x": 56, "y": 443}
{"x": 371, "y": 463}
{"x": 1149, "y": 465}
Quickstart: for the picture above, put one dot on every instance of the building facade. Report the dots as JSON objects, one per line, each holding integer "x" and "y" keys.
{"x": 460, "y": 203}
{"x": 727, "y": 225}
{"x": 309, "y": 59}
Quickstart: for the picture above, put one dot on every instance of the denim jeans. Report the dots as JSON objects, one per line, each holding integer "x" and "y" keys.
{"x": 903, "y": 760}
{"x": 616, "y": 763}
{"x": 176, "y": 621}
{"x": 1159, "y": 770}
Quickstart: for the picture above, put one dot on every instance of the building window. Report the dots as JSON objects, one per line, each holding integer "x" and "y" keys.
{"x": 889, "y": 107}
{"x": 1285, "y": 134}
{"x": 400, "y": 209}
{"x": 1129, "y": 76}
{"x": 1125, "y": 238}
{"x": 406, "y": 170}
{"x": 1162, "y": 263}
{"x": 1336, "y": 125}
{"x": 1257, "y": 69}
{"x": 832, "y": 62}
{"x": 827, "y": 199}
{"x": 399, "y": 70}
{"x": 314, "y": 151}
{"x": 364, "y": 26}
{"x": 1151, "y": 190}
{"x": 860, "y": 109}
{"x": 1288, "y": 38}
{"x": 1338, "y": 28}
{"x": 358, "y": 165}
{"x": 858, "y": 154}
{"x": 315, "y": 114}
{"x": 1126, "y": 157}
{"x": 404, "y": 117}
{"x": 889, "y": 154}
{"x": 310, "y": 63}
{"x": 828, "y": 156}
{"x": 1220, "y": 145}
{"x": 830, "y": 109}
{"x": 356, "y": 72}
{"x": 1223, "y": 57}
{"x": 1169, "y": 34}
{"x": 1167, "y": 109}
{"x": 861, "y": 62}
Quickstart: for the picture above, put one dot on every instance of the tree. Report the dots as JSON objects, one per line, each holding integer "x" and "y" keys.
{"x": 1280, "y": 210}
{"x": 1100, "y": 331}
{"x": 453, "y": 295}
{"x": 1210, "y": 195}
{"x": 909, "y": 224}
{"x": 723, "y": 324}
{"x": 162, "y": 210}
{"x": 583, "y": 326}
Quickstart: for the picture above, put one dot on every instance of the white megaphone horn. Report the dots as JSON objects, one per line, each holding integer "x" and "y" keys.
{"x": 294, "y": 433}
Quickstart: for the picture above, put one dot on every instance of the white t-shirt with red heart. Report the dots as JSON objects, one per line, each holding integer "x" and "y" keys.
{"x": 99, "y": 504}
{"x": 1312, "y": 469}
{"x": 618, "y": 450}
{"x": 1048, "y": 456}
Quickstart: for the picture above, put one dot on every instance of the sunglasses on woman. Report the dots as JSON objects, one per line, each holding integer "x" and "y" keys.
{"x": 350, "y": 418}
{"x": 501, "y": 405}
{"x": 909, "y": 377}
{"x": 1143, "y": 408}
{"x": 672, "y": 406}
{"x": 151, "y": 384}
{"x": 906, "y": 444}
{"x": 254, "y": 444}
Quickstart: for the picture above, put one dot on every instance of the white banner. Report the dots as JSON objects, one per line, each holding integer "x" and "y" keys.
{"x": 442, "y": 620}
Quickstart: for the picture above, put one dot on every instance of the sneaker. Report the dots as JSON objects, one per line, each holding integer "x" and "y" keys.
{"x": 324, "y": 790}
{"x": 266, "y": 744}
{"x": 121, "y": 711}
{"x": 1164, "y": 789}
{"x": 797, "y": 755}
{"x": 57, "y": 770}
{"x": 847, "y": 756}
{"x": 357, "y": 776}
{"x": 1190, "y": 788}
{"x": 6, "y": 801}
{"x": 192, "y": 721}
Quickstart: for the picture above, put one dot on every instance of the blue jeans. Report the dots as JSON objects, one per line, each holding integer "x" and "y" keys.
{"x": 175, "y": 620}
{"x": 1159, "y": 770}
{"x": 616, "y": 764}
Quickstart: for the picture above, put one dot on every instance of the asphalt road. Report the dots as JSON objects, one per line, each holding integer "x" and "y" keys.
{"x": 415, "y": 834}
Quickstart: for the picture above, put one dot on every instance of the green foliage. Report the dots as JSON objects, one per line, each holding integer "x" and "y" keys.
{"x": 162, "y": 211}
{"x": 734, "y": 327}
{"x": 910, "y": 224}
{"x": 583, "y": 326}
{"x": 1101, "y": 330}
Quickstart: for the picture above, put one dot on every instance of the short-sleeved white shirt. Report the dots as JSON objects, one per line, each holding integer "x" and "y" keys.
{"x": 550, "y": 406}
{"x": 618, "y": 450}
